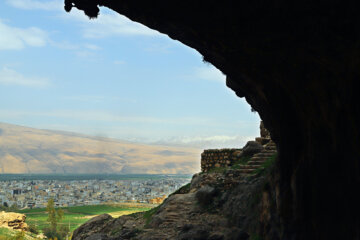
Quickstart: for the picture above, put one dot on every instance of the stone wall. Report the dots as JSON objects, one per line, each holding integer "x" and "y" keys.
{"x": 215, "y": 158}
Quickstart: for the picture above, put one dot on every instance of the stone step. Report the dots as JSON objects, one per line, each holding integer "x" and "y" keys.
{"x": 256, "y": 162}
{"x": 270, "y": 146}
{"x": 252, "y": 166}
{"x": 251, "y": 170}
{"x": 258, "y": 158}
{"x": 264, "y": 154}
{"x": 270, "y": 150}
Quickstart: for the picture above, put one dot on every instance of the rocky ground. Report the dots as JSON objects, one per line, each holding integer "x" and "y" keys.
{"x": 223, "y": 204}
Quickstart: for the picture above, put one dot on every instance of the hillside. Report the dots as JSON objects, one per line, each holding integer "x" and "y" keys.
{"x": 29, "y": 150}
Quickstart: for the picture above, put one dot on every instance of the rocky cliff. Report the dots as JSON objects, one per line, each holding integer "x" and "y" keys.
{"x": 227, "y": 202}
{"x": 297, "y": 64}
{"x": 219, "y": 205}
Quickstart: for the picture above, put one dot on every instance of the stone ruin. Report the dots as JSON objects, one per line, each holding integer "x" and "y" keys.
{"x": 218, "y": 158}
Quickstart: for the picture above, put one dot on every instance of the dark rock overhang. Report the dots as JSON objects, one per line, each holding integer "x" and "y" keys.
{"x": 298, "y": 64}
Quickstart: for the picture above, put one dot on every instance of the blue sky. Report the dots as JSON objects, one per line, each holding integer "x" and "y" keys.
{"x": 112, "y": 77}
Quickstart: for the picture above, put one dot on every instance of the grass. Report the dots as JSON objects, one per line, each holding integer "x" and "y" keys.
{"x": 75, "y": 216}
{"x": 217, "y": 170}
{"x": 183, "y": 190}
{"x": 266, "y": 165}
{"x": 242, "y": 161}
{"x": 148, "y": 214}
{"x": 7, "y": 234}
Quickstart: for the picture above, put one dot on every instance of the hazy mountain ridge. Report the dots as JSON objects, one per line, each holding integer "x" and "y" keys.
{"x": 29, "y": 150}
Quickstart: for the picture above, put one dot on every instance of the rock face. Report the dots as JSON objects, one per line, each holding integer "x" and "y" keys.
{"x": 13, "y": 220}
{"x": 217, "y": 206}
{"x": 297, "y": 65}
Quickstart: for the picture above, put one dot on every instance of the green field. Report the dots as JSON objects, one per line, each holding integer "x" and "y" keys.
{"x": 75, "y": 216}
{"x": 6, "y": 234}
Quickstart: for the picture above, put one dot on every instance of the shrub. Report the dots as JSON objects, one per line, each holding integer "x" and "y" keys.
{"x": 18, "y": 236}
{"x": 33, "y": 229}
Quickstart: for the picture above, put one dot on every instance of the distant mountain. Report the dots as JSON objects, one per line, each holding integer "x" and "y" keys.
{"x": 29, "y": 150}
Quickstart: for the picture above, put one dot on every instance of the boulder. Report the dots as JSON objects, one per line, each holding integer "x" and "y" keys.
{"x": 251, "y": 148}
{"x": 205, "y": 195}
{"x": 13, "y": 220}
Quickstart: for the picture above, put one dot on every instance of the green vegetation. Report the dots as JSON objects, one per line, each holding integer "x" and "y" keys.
{"x": 266, "y": 165}
{"x": 75, "y": 216}
{"x": 183, "y": 190}
{"x": 255, "y": 237}
{"x": 5, "y": 233}
{"x": 54, "y": 217}
{"x": 217, "y": 170}
{"x": 242, "y": 161}
{"x": 148, "y": 214}
{"x": 9, "y": 234}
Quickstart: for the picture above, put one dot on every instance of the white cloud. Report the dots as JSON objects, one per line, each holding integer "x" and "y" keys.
{"x": 109, "y": 24}
{"x": 13, "y": 38}
{"x": 104, "y": 116}
{"x": 65, "y": 45}
{"x": 92, "y": 46}
{"x": 33, "y": 4}
{"x": 11, "y": 77}
{"x": 210, "y": 73}
{"x": 217, "y": 141}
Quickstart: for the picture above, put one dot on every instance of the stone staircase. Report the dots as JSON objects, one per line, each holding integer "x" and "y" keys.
{"x": 258, "y": 159}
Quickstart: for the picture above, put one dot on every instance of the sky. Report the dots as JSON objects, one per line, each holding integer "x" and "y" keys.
{"x": 112, "y": 77}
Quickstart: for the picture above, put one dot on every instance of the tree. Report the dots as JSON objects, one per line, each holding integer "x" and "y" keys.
{"x": 33, "y": 229}
{"x": 54, "y": 216}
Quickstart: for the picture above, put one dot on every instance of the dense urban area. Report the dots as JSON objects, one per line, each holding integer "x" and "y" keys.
{"x": 36, "y": 193}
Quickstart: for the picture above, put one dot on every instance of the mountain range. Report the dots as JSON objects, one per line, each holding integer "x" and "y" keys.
{"x": 30, "y": 150}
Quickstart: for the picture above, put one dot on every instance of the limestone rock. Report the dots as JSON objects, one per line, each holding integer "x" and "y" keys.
{"x": 13, "y": 220}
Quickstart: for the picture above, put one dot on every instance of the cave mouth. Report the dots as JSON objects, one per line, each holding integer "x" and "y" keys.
{"x": 297, "y": 65}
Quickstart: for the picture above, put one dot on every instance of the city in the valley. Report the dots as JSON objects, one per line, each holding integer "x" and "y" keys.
{"x": 35, "y": 193}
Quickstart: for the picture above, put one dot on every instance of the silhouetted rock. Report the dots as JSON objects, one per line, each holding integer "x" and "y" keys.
{"x": 205, "y": 195}
{"x": 251, "y": 148}
{"x": 297, "y": 64}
